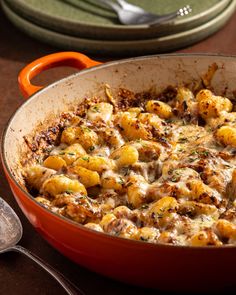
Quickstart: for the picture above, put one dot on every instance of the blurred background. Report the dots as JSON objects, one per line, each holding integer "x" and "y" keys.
{"x": 93, "y": 27}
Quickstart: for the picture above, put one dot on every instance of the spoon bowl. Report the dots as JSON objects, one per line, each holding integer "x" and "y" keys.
{"x": 10, "y": 234}
{"x": 10, "y": 227}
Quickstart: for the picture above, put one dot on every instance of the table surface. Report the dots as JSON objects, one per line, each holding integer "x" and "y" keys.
{"x": 19, "y": 275}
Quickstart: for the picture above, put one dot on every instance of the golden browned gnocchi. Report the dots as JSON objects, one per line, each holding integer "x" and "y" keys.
{"x": 227, "y": 135}
{"x": 154, "y": 168}
{"x": 125, "y": 156}
{"x": 82, "y": 134}
{"x": 211, "y": 106}
{"x": 87, "y": 177}
{"x": 54, "y": 162}
{"x": 159, "y": 108}
{"x": 61, "y": 184}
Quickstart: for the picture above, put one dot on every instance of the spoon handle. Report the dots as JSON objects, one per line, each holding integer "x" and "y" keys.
{"x": 65, "y": 283}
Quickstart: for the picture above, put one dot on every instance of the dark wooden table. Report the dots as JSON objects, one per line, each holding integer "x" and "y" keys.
{"x": 19, "y": 275}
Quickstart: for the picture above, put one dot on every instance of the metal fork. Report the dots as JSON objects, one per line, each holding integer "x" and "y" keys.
{"x": 130, "y": 14}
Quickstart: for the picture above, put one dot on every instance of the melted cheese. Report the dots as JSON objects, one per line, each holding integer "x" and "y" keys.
{"x": 177, "y": 159}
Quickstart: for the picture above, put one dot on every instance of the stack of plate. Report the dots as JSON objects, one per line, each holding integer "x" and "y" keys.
{"x": 86, "y": 26}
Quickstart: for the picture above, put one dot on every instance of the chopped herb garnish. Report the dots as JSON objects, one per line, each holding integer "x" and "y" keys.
{"x": 174, "y": 178}
{"x": 125, "y": 170}
{"x": 182, "y": 140}
{"x": 205, "y": 153}
{"x": 116, "y": 158}
{"x": 170, "y": 171}
{"x": 39, "y": 161}
{"x": 95, "y": 109}
{"x": 192, "y": 159}
{"x": 71, "y": 154}
{"x": 91, "y": 148}
{"x": 160, "y": 216}
{"x": 202, "y": 153}
{"x": 157, "y": 215}
{"x": 86, "y": 129}
{"x": 129, "y": 184}
{"x": 144, "y": 144}
{"x": 69, "y": 191}
{"x": 62, "y": 153}
{"x": 227, "y": 166}
{"x": 47, "y": 149}
{"x": 85, "y": 158}
{"x": 120, "y": 181}
{"x": 82, "y": 197}
{"x": 144, "y": 206}
{"x": 180, "y": 150}
{"x": 193, "y": 153}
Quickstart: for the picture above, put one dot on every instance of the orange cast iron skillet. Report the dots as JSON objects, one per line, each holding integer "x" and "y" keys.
{"x": 166, "y": 267}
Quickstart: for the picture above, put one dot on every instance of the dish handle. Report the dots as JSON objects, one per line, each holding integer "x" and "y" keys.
{"x": 71, "y": 59}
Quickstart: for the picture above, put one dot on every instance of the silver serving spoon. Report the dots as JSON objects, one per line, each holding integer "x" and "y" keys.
{"x": 130, "y": 14}
{"x": 11, "y": 233}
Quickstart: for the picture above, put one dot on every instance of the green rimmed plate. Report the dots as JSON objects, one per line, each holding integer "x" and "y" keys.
{"x": 122, "y": 48}
{"x": 87, "y": 19}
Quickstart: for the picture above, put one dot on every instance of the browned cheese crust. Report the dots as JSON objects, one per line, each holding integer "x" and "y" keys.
{"x": 158, "y": 168}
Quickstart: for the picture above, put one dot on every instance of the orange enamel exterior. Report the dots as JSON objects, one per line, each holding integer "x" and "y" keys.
{"x": 166, "y": 267}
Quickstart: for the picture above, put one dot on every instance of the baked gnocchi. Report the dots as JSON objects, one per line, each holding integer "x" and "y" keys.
{"x": 158, "y": 170}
